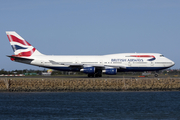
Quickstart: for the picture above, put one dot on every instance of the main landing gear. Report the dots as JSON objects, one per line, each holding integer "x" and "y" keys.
{"x": 94, "y": 75}
{"x": 156, "y": 74}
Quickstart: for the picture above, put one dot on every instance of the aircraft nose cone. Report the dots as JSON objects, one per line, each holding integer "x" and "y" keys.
{"x": 172, "y": 63}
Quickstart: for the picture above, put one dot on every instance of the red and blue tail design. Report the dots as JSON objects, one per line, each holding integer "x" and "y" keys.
{"x": 20, "y": 46}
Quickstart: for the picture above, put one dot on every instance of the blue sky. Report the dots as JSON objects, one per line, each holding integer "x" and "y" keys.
{"x": 91, "y": 27}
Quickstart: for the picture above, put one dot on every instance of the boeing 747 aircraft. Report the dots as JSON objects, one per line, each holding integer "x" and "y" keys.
{"x": 94, "y": 65}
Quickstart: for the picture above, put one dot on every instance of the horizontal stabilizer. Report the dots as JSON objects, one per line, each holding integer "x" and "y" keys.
{"x": 20, "y": 58}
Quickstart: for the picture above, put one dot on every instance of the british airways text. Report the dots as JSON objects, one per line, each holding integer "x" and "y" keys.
{"x": 126, "y": 60}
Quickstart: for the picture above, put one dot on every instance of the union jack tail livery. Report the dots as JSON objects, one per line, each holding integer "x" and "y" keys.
{"x": 20, "y": 46}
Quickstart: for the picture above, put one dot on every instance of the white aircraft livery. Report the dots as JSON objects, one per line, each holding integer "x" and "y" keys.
{"x": 94, "y": 65}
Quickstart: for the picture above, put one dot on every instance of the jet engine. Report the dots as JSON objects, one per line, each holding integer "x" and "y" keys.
{"x": 110, "y": 71}
{"x": 88, "y": 70}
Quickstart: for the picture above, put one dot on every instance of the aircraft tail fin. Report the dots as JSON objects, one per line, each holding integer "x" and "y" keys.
{"x": 20, "y": 46}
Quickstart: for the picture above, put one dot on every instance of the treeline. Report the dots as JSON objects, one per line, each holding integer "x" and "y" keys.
{"x": 55, "y": 72}
{"x": 38, "y": 72}
{"x": 2, "y": 71}
{"x": 170, "y": 72}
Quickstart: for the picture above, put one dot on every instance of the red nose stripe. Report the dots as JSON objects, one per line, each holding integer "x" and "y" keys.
{"x": 142, "y": 56}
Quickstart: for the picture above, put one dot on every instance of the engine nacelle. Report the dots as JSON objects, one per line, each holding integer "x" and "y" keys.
{"x": 110, "y": 71}
{"x": 88, "y": 70}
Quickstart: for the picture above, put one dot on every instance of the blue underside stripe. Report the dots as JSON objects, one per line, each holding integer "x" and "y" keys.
{"x": 64, "y": 68}
{"x": 136, "y": 69}
{"x": 152, "y": 59}
{"x": 144, "y": 68}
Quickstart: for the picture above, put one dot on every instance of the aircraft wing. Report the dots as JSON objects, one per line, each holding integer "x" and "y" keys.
{"x": 118, "y": 67}
{"x": 100, "y": 66}
{"x": 68, "y": 64}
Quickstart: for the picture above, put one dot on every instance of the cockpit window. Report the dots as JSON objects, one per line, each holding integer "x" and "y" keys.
{"x": 161, "y": 55}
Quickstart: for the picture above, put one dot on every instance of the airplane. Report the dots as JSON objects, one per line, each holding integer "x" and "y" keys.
{"x": 92, "y": 65}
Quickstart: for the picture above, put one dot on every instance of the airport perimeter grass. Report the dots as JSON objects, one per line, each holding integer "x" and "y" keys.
{"x": 13, "y": 84}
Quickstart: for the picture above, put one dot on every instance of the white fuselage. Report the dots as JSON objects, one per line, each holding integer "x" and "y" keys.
{"x": 123, "y": 61}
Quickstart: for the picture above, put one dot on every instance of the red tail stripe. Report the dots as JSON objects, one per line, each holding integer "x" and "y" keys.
{"x": 142, "y": 56}
{"x": 26, "y": 54}
{"x": 13, "y": 38}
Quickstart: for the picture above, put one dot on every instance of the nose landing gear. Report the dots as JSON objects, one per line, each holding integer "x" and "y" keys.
{"x": 155, "y": 75}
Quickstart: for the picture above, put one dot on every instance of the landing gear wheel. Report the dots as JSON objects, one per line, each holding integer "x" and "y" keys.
{"x": 156, "y": 75}
{"x": 98, "y": 75}
{"x": 90, "y": 75}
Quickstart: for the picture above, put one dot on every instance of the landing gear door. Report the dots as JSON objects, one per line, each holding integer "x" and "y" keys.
{"x": 152, "y": 63}
{"x": 129, "y": 64}
{"x": 100, "y": 61}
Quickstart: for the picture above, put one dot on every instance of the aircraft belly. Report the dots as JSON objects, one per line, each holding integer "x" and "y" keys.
{"x": 144, "y": 68}
{"x": 64, "y": 68}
